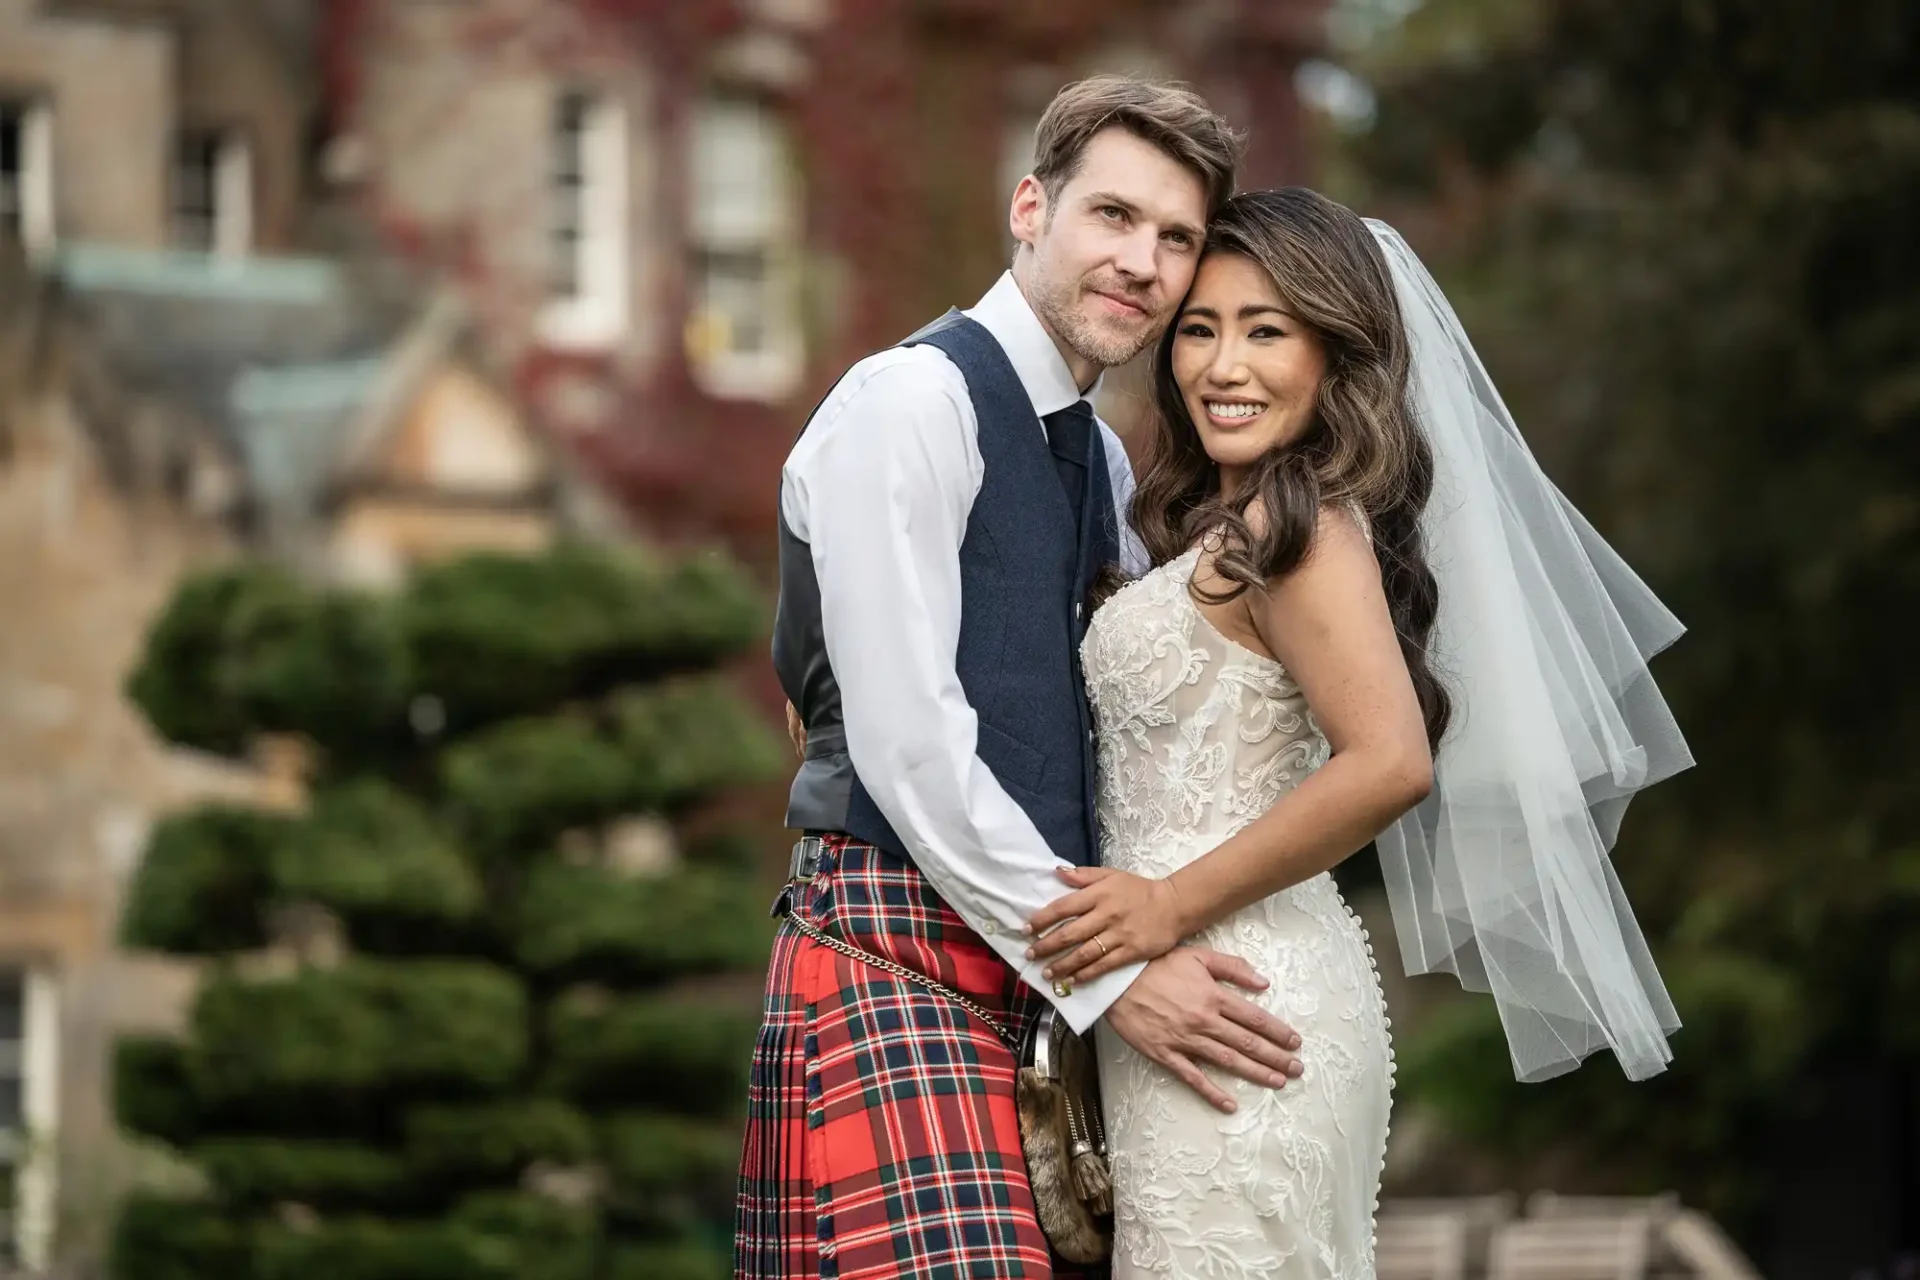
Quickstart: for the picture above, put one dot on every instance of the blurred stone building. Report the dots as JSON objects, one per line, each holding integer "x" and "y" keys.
{"x": 363, "y": 282}
{"x": 677, "y": 222}
{"x": 193, "y": 362}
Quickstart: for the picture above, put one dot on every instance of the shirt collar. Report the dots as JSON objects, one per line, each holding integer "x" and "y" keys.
{"x": 1005, "y": 313}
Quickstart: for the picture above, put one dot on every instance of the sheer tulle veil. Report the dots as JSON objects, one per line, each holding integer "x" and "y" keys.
{"x": 1502, "y": 875}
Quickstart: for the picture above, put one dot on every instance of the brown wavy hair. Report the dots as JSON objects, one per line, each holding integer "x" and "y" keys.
{"x": 1363, "y": 449}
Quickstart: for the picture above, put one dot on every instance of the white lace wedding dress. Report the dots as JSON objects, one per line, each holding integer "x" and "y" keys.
{"x": 1198, "y": 736}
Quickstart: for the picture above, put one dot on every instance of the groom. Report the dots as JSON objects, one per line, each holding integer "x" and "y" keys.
{"x": 942, "y": 518}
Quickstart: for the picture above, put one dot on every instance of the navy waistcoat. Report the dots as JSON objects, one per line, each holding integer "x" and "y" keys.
{"x": 1025, "y": 572}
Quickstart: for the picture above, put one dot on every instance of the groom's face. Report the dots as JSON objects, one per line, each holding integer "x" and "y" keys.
{"x": 1114, "y": 249}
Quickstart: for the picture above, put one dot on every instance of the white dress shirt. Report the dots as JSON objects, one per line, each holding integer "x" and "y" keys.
{"x": 880, "y": 487}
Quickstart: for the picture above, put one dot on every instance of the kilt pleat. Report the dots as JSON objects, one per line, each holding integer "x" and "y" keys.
{"x": 882, "y": 1138}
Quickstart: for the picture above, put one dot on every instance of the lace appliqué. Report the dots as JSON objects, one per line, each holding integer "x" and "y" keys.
{"x": 1199, "y": 736}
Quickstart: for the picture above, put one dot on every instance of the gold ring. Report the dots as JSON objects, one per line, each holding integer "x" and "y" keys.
{"x": 1101, "y": 945}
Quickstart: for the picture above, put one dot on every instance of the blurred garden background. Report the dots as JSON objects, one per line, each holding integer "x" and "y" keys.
{"x": 392, "y": 400}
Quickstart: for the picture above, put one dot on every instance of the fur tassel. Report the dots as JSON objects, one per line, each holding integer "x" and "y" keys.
{"x": 1092, "y": 1182}
{"x": 1071, "y": 1224}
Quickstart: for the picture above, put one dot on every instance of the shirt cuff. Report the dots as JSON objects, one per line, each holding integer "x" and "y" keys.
{"x": 1088, "y": 1002}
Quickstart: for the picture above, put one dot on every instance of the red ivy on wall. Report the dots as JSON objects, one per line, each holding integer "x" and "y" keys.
{"x": 898, "y": 127}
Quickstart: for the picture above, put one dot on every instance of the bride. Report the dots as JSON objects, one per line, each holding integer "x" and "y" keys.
{"x": 1371, "y": 618}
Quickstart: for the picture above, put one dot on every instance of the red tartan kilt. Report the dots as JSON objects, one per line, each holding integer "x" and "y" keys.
{"x": 882, "y": 1139}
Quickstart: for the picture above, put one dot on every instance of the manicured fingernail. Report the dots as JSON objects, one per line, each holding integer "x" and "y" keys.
{"x": 1046, "y": 973}
{"x": 1277, "y": 1081}
{"x": 1232, "y": 1106}
{"x": 1029, "y": 953}
{"x": 1293, "y": 1042}
{"x": 1296, "y": 1069}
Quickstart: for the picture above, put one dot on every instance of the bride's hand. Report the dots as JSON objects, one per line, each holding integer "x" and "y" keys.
{"x": 1113, "y": 918}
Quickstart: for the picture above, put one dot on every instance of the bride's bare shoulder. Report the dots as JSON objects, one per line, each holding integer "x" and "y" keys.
{"x": 1338, "y": 524}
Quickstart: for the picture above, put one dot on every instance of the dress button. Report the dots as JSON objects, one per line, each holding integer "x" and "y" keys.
{"x": 989, "y": 927}
{"x": 1063, "y": 989}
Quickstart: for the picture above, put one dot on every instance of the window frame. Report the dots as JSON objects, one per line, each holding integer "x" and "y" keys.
{"x": 228, "y": 217}
{"x": 31, "y": 1064}
{"x": 773, "y": 370}
{"x": 33, "y": 216}
{"x": 588, "y": 205}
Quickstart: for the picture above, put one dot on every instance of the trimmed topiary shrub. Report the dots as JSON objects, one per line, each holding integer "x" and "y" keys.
{"x": 441, "y": 1036}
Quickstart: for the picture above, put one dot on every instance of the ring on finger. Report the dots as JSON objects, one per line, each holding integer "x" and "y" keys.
{"x": 1101, "y": 945}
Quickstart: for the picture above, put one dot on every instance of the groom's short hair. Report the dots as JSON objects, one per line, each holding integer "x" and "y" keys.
{"x": 1167, "y": 114}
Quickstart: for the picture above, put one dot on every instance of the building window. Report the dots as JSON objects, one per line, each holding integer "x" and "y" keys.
{"x": 743, "y": 334}
{"x": 569, "y": 182}
{"x": 588, "y": 224}
{"x": 212, "y": 192}
{"x": 26, "y": 174}
{"x": 28, "y": 1032}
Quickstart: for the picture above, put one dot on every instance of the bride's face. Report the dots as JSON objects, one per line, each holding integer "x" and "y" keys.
{"x": 1249, "y": 371}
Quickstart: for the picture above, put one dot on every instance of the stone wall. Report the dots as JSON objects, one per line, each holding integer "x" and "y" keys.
{"x": 83, "y": 567}
{"x": 110, "y": 84}
{"x": 901, "y": 114}
{"x": 121, "y": 78}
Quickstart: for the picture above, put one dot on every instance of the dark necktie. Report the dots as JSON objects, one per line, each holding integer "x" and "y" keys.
{"x": 1070, "y": 437}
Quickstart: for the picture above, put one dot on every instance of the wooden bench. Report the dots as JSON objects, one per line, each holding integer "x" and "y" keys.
{"x": 1615, "y": 1238}
{"x": 1438, "y": 1239}
{"x": 1423, "y": 1246}
{"x": 1560, "y": 1238}
{"x": 1573, "y": 1248}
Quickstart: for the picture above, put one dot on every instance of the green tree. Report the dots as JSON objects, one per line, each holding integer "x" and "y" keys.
{"x": 444, "y": 1029}
{"x": 1683, "y": 236}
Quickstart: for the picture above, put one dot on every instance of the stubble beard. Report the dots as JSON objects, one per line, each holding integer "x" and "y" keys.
{"x": 1056, "y": 302}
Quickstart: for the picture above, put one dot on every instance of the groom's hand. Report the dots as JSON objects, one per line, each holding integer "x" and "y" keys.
{"x": 1177, "y": 1014}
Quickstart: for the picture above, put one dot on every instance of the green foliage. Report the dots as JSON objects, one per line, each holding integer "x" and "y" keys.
{"x": 511, "y": 786}
{"x": 658, "y": 1162}
{"x": 658, "y": 1051}
{"x": 689, "y": 738}
{"x": 583, "y": 922}
{"x": 488, "y": 637}
{"x": 162, "y": 1238}
{"x": 535, "y": 1238}
{"x": 411, "y": 1026}
{"x": 318, "y": 1172}
{"x": 186, "y": 684}
{"x": 390, "y": 1113}
{"x": 153, "y": 1091}
{"x": 375, "y": 1249}
{"x": 687, "y": 1261}
{"x": 200, "y": 888}
{"x": 368, "y": 851}
{"x": 247, "y": 650}
{"x": 493, "y": 1236}
{"x": 1734, "y": 1007}
{"x": 1686, "y": 251}
{"x": 495, "y": 637}
{"x": 662, "y": 748}
{"x": 739, "y": 848}
{"x": 496, "y": 1139}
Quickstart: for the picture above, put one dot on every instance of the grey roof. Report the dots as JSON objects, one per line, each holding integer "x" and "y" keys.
{"x": 295, "y": 367}
{"x": 190, "y": 325}
{"x": 276, "y": 356}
